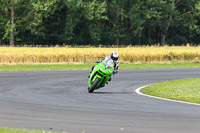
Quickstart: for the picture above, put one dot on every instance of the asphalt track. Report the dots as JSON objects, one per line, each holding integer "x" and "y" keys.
{"x": 59, "y": 101}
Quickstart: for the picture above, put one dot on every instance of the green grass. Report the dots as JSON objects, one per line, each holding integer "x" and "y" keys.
{"x": 6, "y": 130}
{"x": 146, "y": 66}
{"x": 88, "y": 66}
{"x": 183, "y": 90}
{"x": 46, "y": 67}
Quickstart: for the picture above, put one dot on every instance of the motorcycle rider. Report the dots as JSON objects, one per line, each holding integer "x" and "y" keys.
{"x": 114, "y": 56}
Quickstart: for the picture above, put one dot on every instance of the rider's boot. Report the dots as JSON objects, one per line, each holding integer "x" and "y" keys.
{"x": 108, "y": 80}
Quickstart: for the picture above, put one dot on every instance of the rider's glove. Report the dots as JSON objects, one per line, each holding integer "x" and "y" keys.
{"x": 99, "y": 61}
{"x": 115, "y": 71}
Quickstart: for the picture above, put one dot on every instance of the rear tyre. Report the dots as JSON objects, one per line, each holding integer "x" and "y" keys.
{"x": 94, "y": 85}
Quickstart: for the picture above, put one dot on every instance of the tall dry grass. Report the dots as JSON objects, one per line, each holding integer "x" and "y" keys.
{"x": 167, "y": 54}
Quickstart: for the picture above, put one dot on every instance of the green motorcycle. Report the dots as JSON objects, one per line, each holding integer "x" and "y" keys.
{"x": 101, "y": 73}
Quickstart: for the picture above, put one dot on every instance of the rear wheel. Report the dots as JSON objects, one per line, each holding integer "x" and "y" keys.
{"x": 94, "y": 85}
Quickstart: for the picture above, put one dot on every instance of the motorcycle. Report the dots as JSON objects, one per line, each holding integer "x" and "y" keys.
{"x": 100, "y": 75}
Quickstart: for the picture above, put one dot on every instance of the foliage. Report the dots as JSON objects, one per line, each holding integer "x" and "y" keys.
{"x": 100, "y": 22}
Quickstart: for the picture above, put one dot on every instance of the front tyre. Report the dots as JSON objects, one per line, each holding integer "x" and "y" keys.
{"x": 94, "y": 85}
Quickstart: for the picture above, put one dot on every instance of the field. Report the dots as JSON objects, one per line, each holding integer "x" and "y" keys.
{"x": 128, "y": 55}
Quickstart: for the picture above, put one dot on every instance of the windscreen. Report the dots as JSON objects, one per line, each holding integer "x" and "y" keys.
{"x": 108, "y": 63}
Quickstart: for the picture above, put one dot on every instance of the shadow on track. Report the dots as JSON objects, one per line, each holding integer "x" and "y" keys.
{"x": 112, "y": 93}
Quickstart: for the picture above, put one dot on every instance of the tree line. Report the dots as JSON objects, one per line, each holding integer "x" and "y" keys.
{"x": 107, "y": 22}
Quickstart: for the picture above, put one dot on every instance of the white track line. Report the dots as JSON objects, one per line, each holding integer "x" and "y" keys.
{"x": 138, "y": 91}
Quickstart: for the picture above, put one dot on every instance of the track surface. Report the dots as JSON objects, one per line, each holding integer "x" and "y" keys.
{"x": 58, "y": 101}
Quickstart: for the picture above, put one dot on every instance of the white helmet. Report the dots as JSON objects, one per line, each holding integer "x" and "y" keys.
{"x": 114, "y": 56}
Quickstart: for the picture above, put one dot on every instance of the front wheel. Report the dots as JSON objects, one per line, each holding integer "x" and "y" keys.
{"x": 94, "y": 84}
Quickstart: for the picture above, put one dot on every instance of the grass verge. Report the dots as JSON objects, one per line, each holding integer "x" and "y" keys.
{"x": 184, "y": 90}
{"x": 46, "y": 67}
{"x": 6, "y": 130}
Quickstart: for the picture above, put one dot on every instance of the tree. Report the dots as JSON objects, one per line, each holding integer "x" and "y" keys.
{"x": 99, "y": 21}
{"x": 86, "y": 16}
{"x": 3, "y": 20}
{"x": 6, "y": 18}
{"x": 11, "y": 17}
{"x": 161, "y": 14}
{"x": 185, "y": 21}
{"x": 22, "y": 15}
{"x": 118, "y": 20}
{"x": 143, "y": 15}
{"x": 71, "y": 22}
